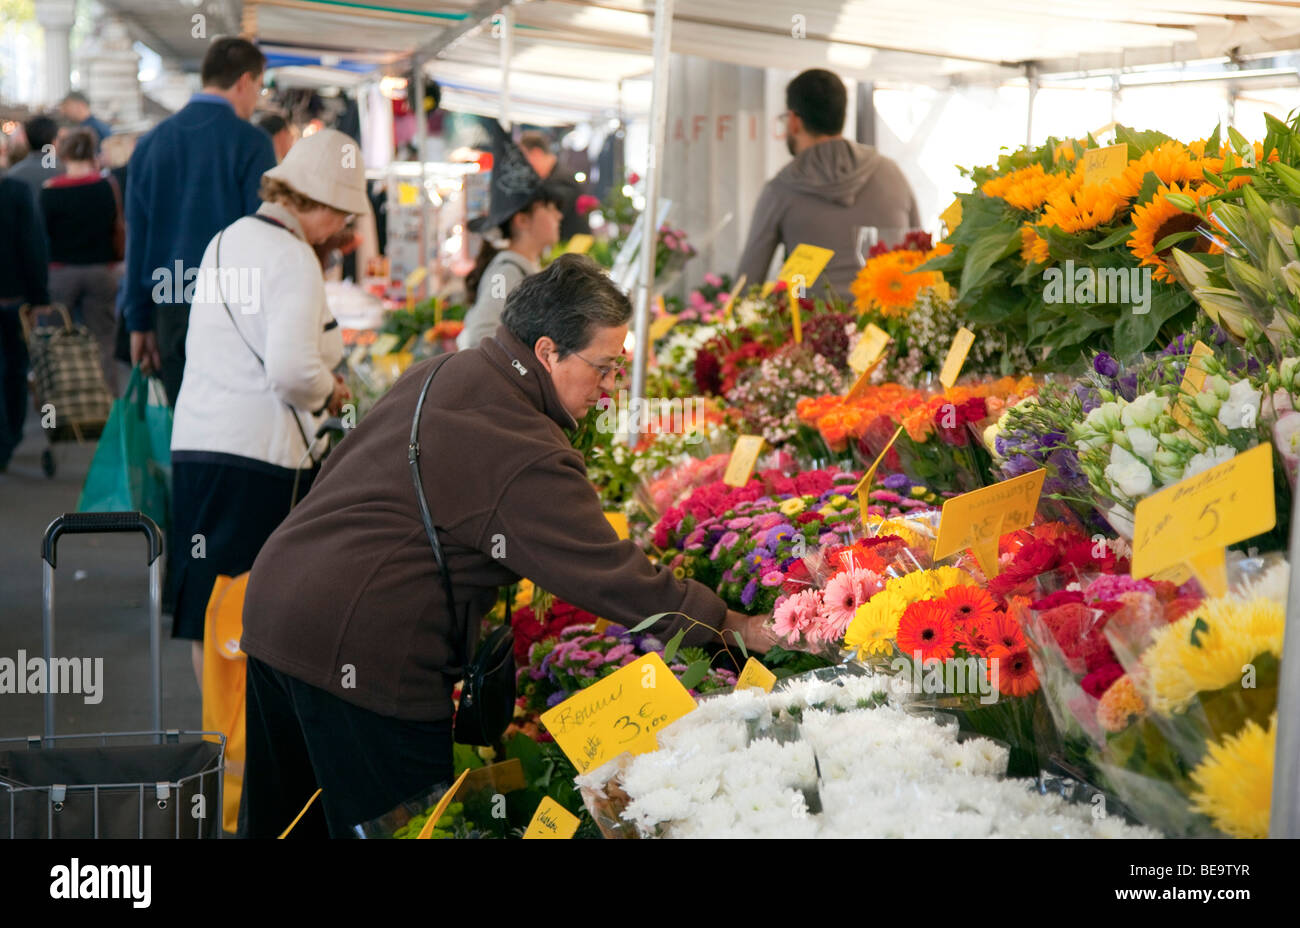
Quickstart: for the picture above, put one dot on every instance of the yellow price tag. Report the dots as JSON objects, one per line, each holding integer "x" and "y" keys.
{"x": 661, "y": 327}
{"x": 731, "y": 297}
{"x": 622, "y": 712}
{"x": 415, "y": 278}
{"x": 1103, "y": 164}
{"x": 755, "y": 676}
{"x": 744, "y": 456}
{"x": 407, "y": 194}
{"x": 385, "y": 344}
{"x": 1193, "y": 382}
{"x": 505, "y": 777}
{"x": 978, "y": 519}
{"x": 580, "y": 244}
{"x": 1228, "y": 503}
{"x": 951, "y": 217}
{"x": 552, "y": 820}
{"x": 619, "y": 522}
{"x": 961, "y": 343}
{"x": 869, "y": 348}
{"x": 863, "y": 489}
{"x": 601, "y": 625}
{"x": 801, "y": 270}
{"x": 395, "y": 363}
{"x": 441, "y": 807}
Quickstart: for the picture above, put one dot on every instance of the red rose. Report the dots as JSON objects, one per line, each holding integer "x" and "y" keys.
{"x": 1060, "y": 598}
{"x": 1100, "y": 680}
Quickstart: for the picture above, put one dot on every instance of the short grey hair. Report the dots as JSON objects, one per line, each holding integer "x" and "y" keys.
{"x": 567, "y": 302}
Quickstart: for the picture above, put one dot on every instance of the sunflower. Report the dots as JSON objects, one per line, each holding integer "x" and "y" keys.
{"x": 1233, "y": 784}
{"x": 1028, "y": 188}
{"x": 926, "y": 628}
{"x": 1015, "y": 670}
{"x": 1081, "y": 208}
{"x": 875, "y": 623}
{"x": 1153, "y": 221}
{"x": 1171, "y": 162}
{"x": 1033, "y": 247}
{"x": 1206, "y": 649}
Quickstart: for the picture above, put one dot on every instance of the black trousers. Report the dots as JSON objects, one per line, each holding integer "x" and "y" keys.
{"x": 300, "y": 737}
{"x": 13, "y": 381}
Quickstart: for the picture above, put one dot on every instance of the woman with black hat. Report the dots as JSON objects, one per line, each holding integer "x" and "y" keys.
{"x": 524, "y": 219}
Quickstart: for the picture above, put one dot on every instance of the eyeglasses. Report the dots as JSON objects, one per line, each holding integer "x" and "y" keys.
{"x": 618, "y": 367}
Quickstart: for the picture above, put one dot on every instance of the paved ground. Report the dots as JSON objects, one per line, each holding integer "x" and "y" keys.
{"x": 101, "y": 597}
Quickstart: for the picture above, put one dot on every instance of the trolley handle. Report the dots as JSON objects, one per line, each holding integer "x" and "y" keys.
{"x": 100, "y": 523}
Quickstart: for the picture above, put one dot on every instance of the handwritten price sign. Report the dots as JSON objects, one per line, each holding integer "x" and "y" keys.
{"x": 978, "y": 519}
{"x": 623, "y": 712}
{"x": 1195, "y": 519}
{"x": 552, "y": 820}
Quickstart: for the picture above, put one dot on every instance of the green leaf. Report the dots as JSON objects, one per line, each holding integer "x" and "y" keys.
{"x": 1182, "y": 201}
{"x": 1212, "y": 144}
{"x": 740, "y": 643}
{"x": 1134, "y": 332}
{"x": 1139, "y": 143}
{"x": 646, "y": 623}
{"x": 693, "y": 674}
{"x": 1239, "y": 143}
{"x": 670, "y": 649}
{"x": 1214, "y": 178}
{"x": 1119, "y": 236}
{"x": 996, "y": 245}
{"x": 1170, "y": 241}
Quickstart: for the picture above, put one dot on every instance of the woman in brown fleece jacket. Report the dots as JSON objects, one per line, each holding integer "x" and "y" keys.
{"x": 352, "y": 653}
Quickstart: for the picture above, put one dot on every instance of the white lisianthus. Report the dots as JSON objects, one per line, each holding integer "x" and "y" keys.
{"x": 1128, "y": 474}
{"x": 1144, "y": 410}
{"x": 1202, "y": 462}
{"x": 1143, "y": 443}
{"x": 1217, "y": 385}
{"x": 1241, "y": 409}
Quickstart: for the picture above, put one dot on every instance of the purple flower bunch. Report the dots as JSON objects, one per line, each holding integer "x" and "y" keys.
{"x": 579, "y": 656}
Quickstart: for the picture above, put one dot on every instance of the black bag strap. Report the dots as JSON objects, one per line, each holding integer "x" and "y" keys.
{"x": 247, "y": 344}
{"x": 413, "y": 458}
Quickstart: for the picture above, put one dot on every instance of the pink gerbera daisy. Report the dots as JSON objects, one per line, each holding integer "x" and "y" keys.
{"x": 845, "y": 592}
{"x": 794, "y": 615}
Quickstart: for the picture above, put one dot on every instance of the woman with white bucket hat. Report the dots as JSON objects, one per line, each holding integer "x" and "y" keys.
{"x": 260, "y": 355}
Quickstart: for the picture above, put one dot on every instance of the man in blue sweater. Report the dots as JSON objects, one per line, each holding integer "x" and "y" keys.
{"x": 194, "y": 174}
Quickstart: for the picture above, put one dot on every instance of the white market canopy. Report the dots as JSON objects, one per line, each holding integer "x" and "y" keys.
{"x": 572, "y": 54}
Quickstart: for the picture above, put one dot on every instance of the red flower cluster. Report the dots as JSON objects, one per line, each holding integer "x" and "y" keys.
{"x": 950, "y": 420}
{"x": 529, "y": 630}
{"x": 1049, "y": 547}
{"x": 915, "y": 240}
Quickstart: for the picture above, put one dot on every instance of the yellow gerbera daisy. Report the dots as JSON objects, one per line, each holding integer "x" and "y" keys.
{"x": 912, "y": 587}
{"x": 1033, "y": 247}
{"x": 1233, "y": 785}
{"x": 945, "y": 578}
{"x": 875, "y": 624}
{"x": 1206, "y": 649}
{"x": 1153, "y": 221}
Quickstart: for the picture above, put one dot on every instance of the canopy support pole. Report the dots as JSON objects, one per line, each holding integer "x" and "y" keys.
{"x": 1031, "y": 72}
{"x": 507, "y": 52}
{"x": 650, "y": 219}
{"x": 421, "y": 146}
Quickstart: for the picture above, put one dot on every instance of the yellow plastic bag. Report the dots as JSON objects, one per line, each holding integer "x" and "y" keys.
{"x": 224, "y": 679}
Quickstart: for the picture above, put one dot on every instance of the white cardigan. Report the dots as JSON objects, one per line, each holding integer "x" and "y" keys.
{"x": 229, "y": 403}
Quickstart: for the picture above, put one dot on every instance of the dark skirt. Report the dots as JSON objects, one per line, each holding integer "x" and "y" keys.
{"x": 233, "y": 504}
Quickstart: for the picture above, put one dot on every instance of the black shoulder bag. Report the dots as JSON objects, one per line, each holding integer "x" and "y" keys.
{"x": 487, "y": 698}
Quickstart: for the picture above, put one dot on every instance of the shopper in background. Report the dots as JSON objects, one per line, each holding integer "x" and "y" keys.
{"x": 40, "y": 163}
{"x": 195, "y": 173}
{"x": 281, "y": 133}
{"x": 22, "y": 280}
{"x": 76, "y": 109}
{"x": 83, "y": 216}
{"x": 259, "y": 378}
{"x": 541, "y": 155}
{"x": 833, "y": 186}
{"x": 353, "y": 649}
{"x": 523, "y": 221}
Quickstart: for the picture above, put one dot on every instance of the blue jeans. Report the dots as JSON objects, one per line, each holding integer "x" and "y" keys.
{"x": 13, "y": 381}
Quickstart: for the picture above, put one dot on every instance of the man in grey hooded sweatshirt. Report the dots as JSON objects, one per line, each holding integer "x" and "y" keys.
{"x": 832, "y": 186}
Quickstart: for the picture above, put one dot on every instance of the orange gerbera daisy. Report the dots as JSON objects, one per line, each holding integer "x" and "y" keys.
{"x": 926, "y": 627}
{"x": 1002, "y": 630}
{"x": 1033, "y": 247}
{"x": 1015, "y": 670}
{"x": 968, "y": 605}
{"x": 887, "y": 285}
{"x": 1154, "y": 221}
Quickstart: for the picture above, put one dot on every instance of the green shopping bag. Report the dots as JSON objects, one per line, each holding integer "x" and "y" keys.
{"x": 132, "y": 467}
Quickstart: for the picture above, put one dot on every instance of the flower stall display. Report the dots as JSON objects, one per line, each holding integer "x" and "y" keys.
{"x": 826, "y": 758}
